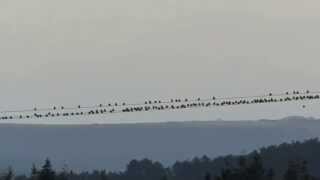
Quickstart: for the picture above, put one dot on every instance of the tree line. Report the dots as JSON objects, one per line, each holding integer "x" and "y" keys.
{"x": 294, "y": 161}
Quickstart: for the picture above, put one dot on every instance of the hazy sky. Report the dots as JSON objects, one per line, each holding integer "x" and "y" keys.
{"x": 73, "y": 52}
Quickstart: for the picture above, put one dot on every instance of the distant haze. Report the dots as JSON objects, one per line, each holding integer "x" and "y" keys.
{"x": 111, "y": 147}
{"x": 87, "y": 52}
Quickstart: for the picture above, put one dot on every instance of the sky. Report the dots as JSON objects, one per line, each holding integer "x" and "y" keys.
{"x": 70, "y": 52}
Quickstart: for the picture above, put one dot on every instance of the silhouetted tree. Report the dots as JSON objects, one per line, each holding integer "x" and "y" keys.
{"x": 8, "y": 175}
{"x": 255, "y": 170}
{"x": 297, "y": 170}
{"x": 47, "y": 173}
{"x": 34, "y": 173}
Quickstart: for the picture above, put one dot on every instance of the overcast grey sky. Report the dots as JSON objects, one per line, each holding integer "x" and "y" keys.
{"x": 87, "y": 52}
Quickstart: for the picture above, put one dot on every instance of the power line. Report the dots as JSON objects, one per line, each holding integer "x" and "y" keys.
{"x": 158, "y": 105}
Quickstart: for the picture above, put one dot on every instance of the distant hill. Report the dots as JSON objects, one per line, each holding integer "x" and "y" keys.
{"x": 287, "y": 161}
{"x": 86, "y": 147}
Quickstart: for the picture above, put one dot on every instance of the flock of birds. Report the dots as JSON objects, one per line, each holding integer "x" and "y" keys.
{"x": 158, "y": 105}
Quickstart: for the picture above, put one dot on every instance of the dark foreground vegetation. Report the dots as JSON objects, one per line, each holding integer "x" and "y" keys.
{"x": 295, "y": 161}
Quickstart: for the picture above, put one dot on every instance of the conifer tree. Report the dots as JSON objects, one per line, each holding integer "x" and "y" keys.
{"x": 9, "y": 175}
{"x": 47, "y": 173}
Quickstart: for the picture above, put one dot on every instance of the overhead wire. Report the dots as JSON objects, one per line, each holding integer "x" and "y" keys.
{"x": 157, "y": 105}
